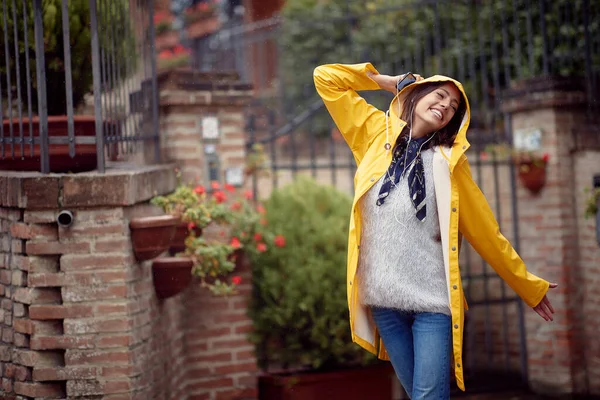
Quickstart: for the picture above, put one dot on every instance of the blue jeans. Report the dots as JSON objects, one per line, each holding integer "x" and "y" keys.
{"x": 419, "y": 348}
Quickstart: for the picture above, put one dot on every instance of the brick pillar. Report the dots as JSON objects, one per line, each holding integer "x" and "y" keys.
{"x": 79, "y": 315}
{"x": 550, "y": 226}
{"x": 190, "y": 103}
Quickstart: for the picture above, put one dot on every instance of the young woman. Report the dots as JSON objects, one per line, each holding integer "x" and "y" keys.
{"x": 414, "y": 199}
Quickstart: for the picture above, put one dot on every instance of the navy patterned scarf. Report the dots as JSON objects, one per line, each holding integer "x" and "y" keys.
{"x": 403, "y": 155}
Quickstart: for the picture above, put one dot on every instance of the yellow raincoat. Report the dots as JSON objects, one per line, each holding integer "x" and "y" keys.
{"x": 462, "y": 206}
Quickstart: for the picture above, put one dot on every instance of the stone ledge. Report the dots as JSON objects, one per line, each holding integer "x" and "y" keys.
{"x": 121, "y": 185}
{"x": 543, "y": 92}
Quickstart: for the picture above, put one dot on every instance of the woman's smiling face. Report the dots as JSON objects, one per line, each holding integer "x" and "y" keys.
{"x": 436, "y": 109}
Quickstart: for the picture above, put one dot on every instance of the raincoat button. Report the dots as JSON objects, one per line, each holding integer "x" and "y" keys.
{"x": 350, "y": 283}
{"x": 454, "y": 287}
{"x": 372, "y": 179}
{"x": 454, "y": 209}
{"x": 453, "y": 248}
{"x": 464, "y": 147}
{"x": 455, "y": 326}
{"x": 458, "y": 365}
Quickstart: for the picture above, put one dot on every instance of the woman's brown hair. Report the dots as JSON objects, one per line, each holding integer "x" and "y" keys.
{"x": 447, "y": 134}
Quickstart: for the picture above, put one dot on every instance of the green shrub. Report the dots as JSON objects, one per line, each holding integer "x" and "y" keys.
{"x": 298, "y": 307}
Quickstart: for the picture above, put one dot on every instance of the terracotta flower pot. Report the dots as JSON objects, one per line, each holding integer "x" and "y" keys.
{"x": 60, "y": 160}
{"x": 361, "y": 383}
{"x": 181, "y": 233}
{"x": 171, "y": 275}
{"x": 532, "y": 176}
{"x": 152, "y": 236}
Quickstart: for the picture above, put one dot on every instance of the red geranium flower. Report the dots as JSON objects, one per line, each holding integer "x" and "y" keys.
{"x": 236, "y": 280}
{"x": 235, "y": 243}
{"x": 215, "y": 185}
{"x": 279, "y": 241}
{"x": 261, "y": 247}
{"x": 165, "y": 54}
{"x": 229, "y": 188}
{"x": 191, "y": 226}
{"x": 263, "y": 221}
{"x": 257, "y": 237}
{"x": 220, "y": 197}
{"x": 236, "y": 206}
{"x": 248, "y": 195}
{"x": 546, "y": 157}
{"x": 199, "y": 190}
{"x": 260, "y": 209}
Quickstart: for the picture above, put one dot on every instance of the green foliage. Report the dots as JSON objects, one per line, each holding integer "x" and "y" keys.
{"x": 465, "y": 39}
{"x": 298, "y": 307}
{"x": 591, "y": 204}
{"x": 115, "y": 36}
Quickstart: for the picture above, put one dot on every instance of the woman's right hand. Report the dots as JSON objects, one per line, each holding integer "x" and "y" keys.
{"x": 388, "y": 82}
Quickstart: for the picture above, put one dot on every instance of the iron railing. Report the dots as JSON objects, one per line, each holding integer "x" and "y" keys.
{"x": 65, "y": 60}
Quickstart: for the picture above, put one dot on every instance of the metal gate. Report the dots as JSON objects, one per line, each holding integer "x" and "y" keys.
{"x": 485, "y": 44}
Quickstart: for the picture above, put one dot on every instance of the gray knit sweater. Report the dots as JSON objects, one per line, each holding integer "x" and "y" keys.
{"x": 401, "y": 263}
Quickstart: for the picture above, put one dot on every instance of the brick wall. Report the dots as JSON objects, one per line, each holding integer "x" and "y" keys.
{"x": 553, "y": 238}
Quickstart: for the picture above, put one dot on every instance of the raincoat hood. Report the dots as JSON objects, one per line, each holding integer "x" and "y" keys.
{"x": 461, "y": 143}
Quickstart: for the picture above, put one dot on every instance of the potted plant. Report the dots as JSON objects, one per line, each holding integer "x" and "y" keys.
{"x": 151, "y": 236}
{"x": 171, "y": 275}
{"x": 298, "y": 306}
{"x": 531, "y": 166}
{"x": 592, "y": 202}
{"x": 117, "y": 15}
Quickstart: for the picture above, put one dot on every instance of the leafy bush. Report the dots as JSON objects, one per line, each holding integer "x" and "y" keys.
{"x": 298, "y": 307}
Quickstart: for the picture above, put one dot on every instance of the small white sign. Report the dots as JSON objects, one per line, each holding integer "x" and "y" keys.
{"x": 210, "y": 149}
{"x": 210, "y": 127}
{"x": 234, "y": 176}
{"x": 527, "y": 139}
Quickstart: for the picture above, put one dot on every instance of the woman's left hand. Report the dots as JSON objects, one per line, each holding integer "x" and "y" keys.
{"x": 545, "y": 309}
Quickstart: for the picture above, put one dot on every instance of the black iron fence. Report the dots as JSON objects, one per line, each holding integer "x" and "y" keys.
{"x": 77, "y": 83}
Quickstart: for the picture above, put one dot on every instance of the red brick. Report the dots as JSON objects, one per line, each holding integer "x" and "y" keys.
{"x": 90, "y": 231}
{"x": 117, "y": 372}
{"x": 111, "y": 246}
{"x": 16, "y": 246}
{"x": 38, "y": 342}
{"x": 27, "y": 231}
{"x": 82, "y": 293}
{"x": 8, "y": 335}
{"x": 37, "y": 296}
{"x": 235, "y": 368}
{"x": 19, "y": 310}
{"x": 230, "y": 318}
{"x": 47, "y": 390}
{"x": 19, "y": 278}
{"x": 32, "y": 358}
{"x": 23, "y": 326}
{"x": 49, "y": 248}
{"x": 230, "y": 344}
{"x": 72, "y": 262}
{"x": 245, "y": 355}
{"x": 43, "y": 312}
{"x": 90, "y": 388}
{"x": 39, "y": 217}
{"x": 98, "y": 357}
{"x": 99, "y": 215}
{"x": 246, "y": 393}
{"x": 65, "y": 373}
{"x": 79, "y": 326}
{"x": 112, "y": 309}
{"x": 5, "y": 353}
{"x": 7, "y": 385}
{"x": 5, "y": 277}
{"x": 43, "y": 264}
{"x": 220, "y": 357}
{"x": 114, "y": 341}
{"x": 211, "y": 384}
{"x": 9, "y": 370}
{"x": 21, "y": 340}
{"x": 6, "y": 304}
{"x": 244, "y": 329}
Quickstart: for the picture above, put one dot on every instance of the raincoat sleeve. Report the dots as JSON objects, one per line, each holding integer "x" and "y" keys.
{"x": 358, "y": 121}
{"x": 479, "y": 226}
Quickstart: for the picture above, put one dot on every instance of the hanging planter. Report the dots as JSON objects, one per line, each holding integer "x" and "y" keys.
{"x": 182, "y": 231}
{"x": 151, "y": 236}
{"x": 171, "y": 275}
{"x": 532, "y": 175}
